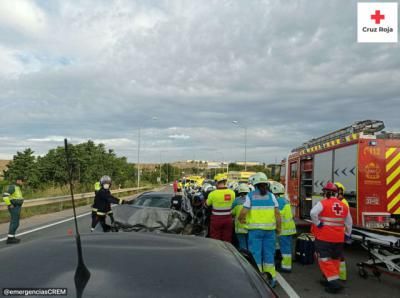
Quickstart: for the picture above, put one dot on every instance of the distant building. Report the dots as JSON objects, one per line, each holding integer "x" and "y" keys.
{"x": 249, "y": 163}
{"x": 216, "y": 164}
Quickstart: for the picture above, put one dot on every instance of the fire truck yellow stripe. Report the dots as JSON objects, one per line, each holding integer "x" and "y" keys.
{"x": 397, "y": 211}
{"x": 393, "y": 202}
{"x": 393, "y": 175}
{"x": 389, "y": 152}
{"x": 392, "y": 162}
{"x": 393, "y": 189}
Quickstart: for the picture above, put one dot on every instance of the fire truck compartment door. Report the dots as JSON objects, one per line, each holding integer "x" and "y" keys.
{"x": 345, "y": 167}
{"x": 322, "y": 171}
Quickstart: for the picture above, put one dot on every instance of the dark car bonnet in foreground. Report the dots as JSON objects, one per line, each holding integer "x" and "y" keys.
{"x": 134, "y": 265}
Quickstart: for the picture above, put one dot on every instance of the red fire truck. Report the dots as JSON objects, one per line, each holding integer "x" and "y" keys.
{"x": 364, "y": 158}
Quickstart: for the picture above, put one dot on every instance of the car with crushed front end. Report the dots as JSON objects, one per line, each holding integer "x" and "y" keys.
{"x": 155, "y": 212}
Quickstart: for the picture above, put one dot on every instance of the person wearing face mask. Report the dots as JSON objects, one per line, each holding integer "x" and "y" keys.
{"x": 261, "y": 215}
{"x": 332, "y": 227}
{"x": 102, "y": 203}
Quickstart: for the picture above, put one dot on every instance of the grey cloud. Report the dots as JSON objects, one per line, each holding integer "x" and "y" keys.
{"x": 289, "y": 70}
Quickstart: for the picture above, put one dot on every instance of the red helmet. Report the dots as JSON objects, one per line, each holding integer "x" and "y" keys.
{"x": 330, "y": 187}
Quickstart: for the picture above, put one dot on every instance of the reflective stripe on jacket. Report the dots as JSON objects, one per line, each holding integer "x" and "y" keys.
{"x": 332, "y": 217}
{"x": 236, "y": 209}
{"x": 288, "y": 224}
{"x": 14, "y": 193}
{"x": 221, "y": 201}
{"x": 261, "y": 215}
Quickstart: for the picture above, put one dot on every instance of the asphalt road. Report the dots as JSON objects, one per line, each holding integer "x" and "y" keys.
{"x": 304, "y": 279}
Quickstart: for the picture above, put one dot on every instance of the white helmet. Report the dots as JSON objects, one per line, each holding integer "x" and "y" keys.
{"x": 105, "y": 180}
{"x": 209, "y": 188}
{"x": 233, "y": 185}
{"x": 243, "y": 188}
{"x": 260, "y": 178}
{"x": 276, "y": 188}
{"x": 205, "y": 186}
{"x": 251, "y": 179}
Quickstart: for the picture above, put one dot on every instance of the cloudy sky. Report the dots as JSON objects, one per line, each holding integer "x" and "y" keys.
{"x": 182, "y": 71}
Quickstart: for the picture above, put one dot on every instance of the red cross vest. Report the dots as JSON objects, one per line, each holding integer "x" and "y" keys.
{"x": 332, "y": 216}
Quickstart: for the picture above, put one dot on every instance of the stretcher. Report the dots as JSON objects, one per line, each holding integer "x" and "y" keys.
{"x": 383, "y": 250}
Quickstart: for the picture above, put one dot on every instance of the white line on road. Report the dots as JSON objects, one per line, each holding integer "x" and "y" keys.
{"x": 286, "y": 287}
{"x": 48, "y": 226}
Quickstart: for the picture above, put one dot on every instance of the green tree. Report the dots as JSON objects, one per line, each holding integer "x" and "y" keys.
{"x": 23, "y": 164}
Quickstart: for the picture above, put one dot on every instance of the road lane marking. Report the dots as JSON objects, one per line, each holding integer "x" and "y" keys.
{"x": 286, "y": 287}
{"x": 48, "y": 225}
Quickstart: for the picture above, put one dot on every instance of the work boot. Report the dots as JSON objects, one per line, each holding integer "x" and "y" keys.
{"x": 272, "y": 282}
{"x": 12, "y": 240}
{"x": 333, "y": 287}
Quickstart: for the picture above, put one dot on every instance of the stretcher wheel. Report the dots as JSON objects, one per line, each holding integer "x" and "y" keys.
{"x": 363, "y": 273}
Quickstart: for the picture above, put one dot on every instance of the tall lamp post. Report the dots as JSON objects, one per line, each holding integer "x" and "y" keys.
{"x": 138, "y": 154}
{"x": 237, "y": 123}
{"x": 138, "y": 160}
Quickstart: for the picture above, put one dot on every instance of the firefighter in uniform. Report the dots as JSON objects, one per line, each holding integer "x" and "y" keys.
{"x": 333, "y": 223}
{"x": 240, "y": 229}
{"x": 340, "y": 196}
{"x": 220, "y": 201}
{"x": 13, "y": 199}
{"x": 261, "y": 214}
{"x": 288, "y": 226}
{"x": 102, "y": 203}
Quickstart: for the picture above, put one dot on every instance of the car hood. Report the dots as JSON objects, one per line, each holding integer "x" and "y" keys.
{"x": 134, "y": 265}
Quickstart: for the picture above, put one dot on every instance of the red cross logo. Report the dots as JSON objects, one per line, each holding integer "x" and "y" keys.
{"x": 337, "y": 209}
{"x": 377, "y": 17}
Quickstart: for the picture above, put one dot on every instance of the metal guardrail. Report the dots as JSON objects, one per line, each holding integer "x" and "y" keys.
{"x": 60, "y": 199}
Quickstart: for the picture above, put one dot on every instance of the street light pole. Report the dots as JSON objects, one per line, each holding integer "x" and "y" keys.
{"x": 245, "y": 148}
{"x": 138, "y": 160}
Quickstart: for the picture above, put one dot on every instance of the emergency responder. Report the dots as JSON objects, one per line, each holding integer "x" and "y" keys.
{"x": 333, "y": 225}
{"x": 175, "y": 186}
{"x": 260, "y": 212}
{"x": 240, "y": 229}
{"x": 102, "y": 203}
{"x": 340, "y": 196}
{"x": 220, "y": 201}
{"x": 180, "y": 186}
{"x": 288, "y": 226}
{"x": 13, "y": 199}
{"x": 97, "y": 187}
